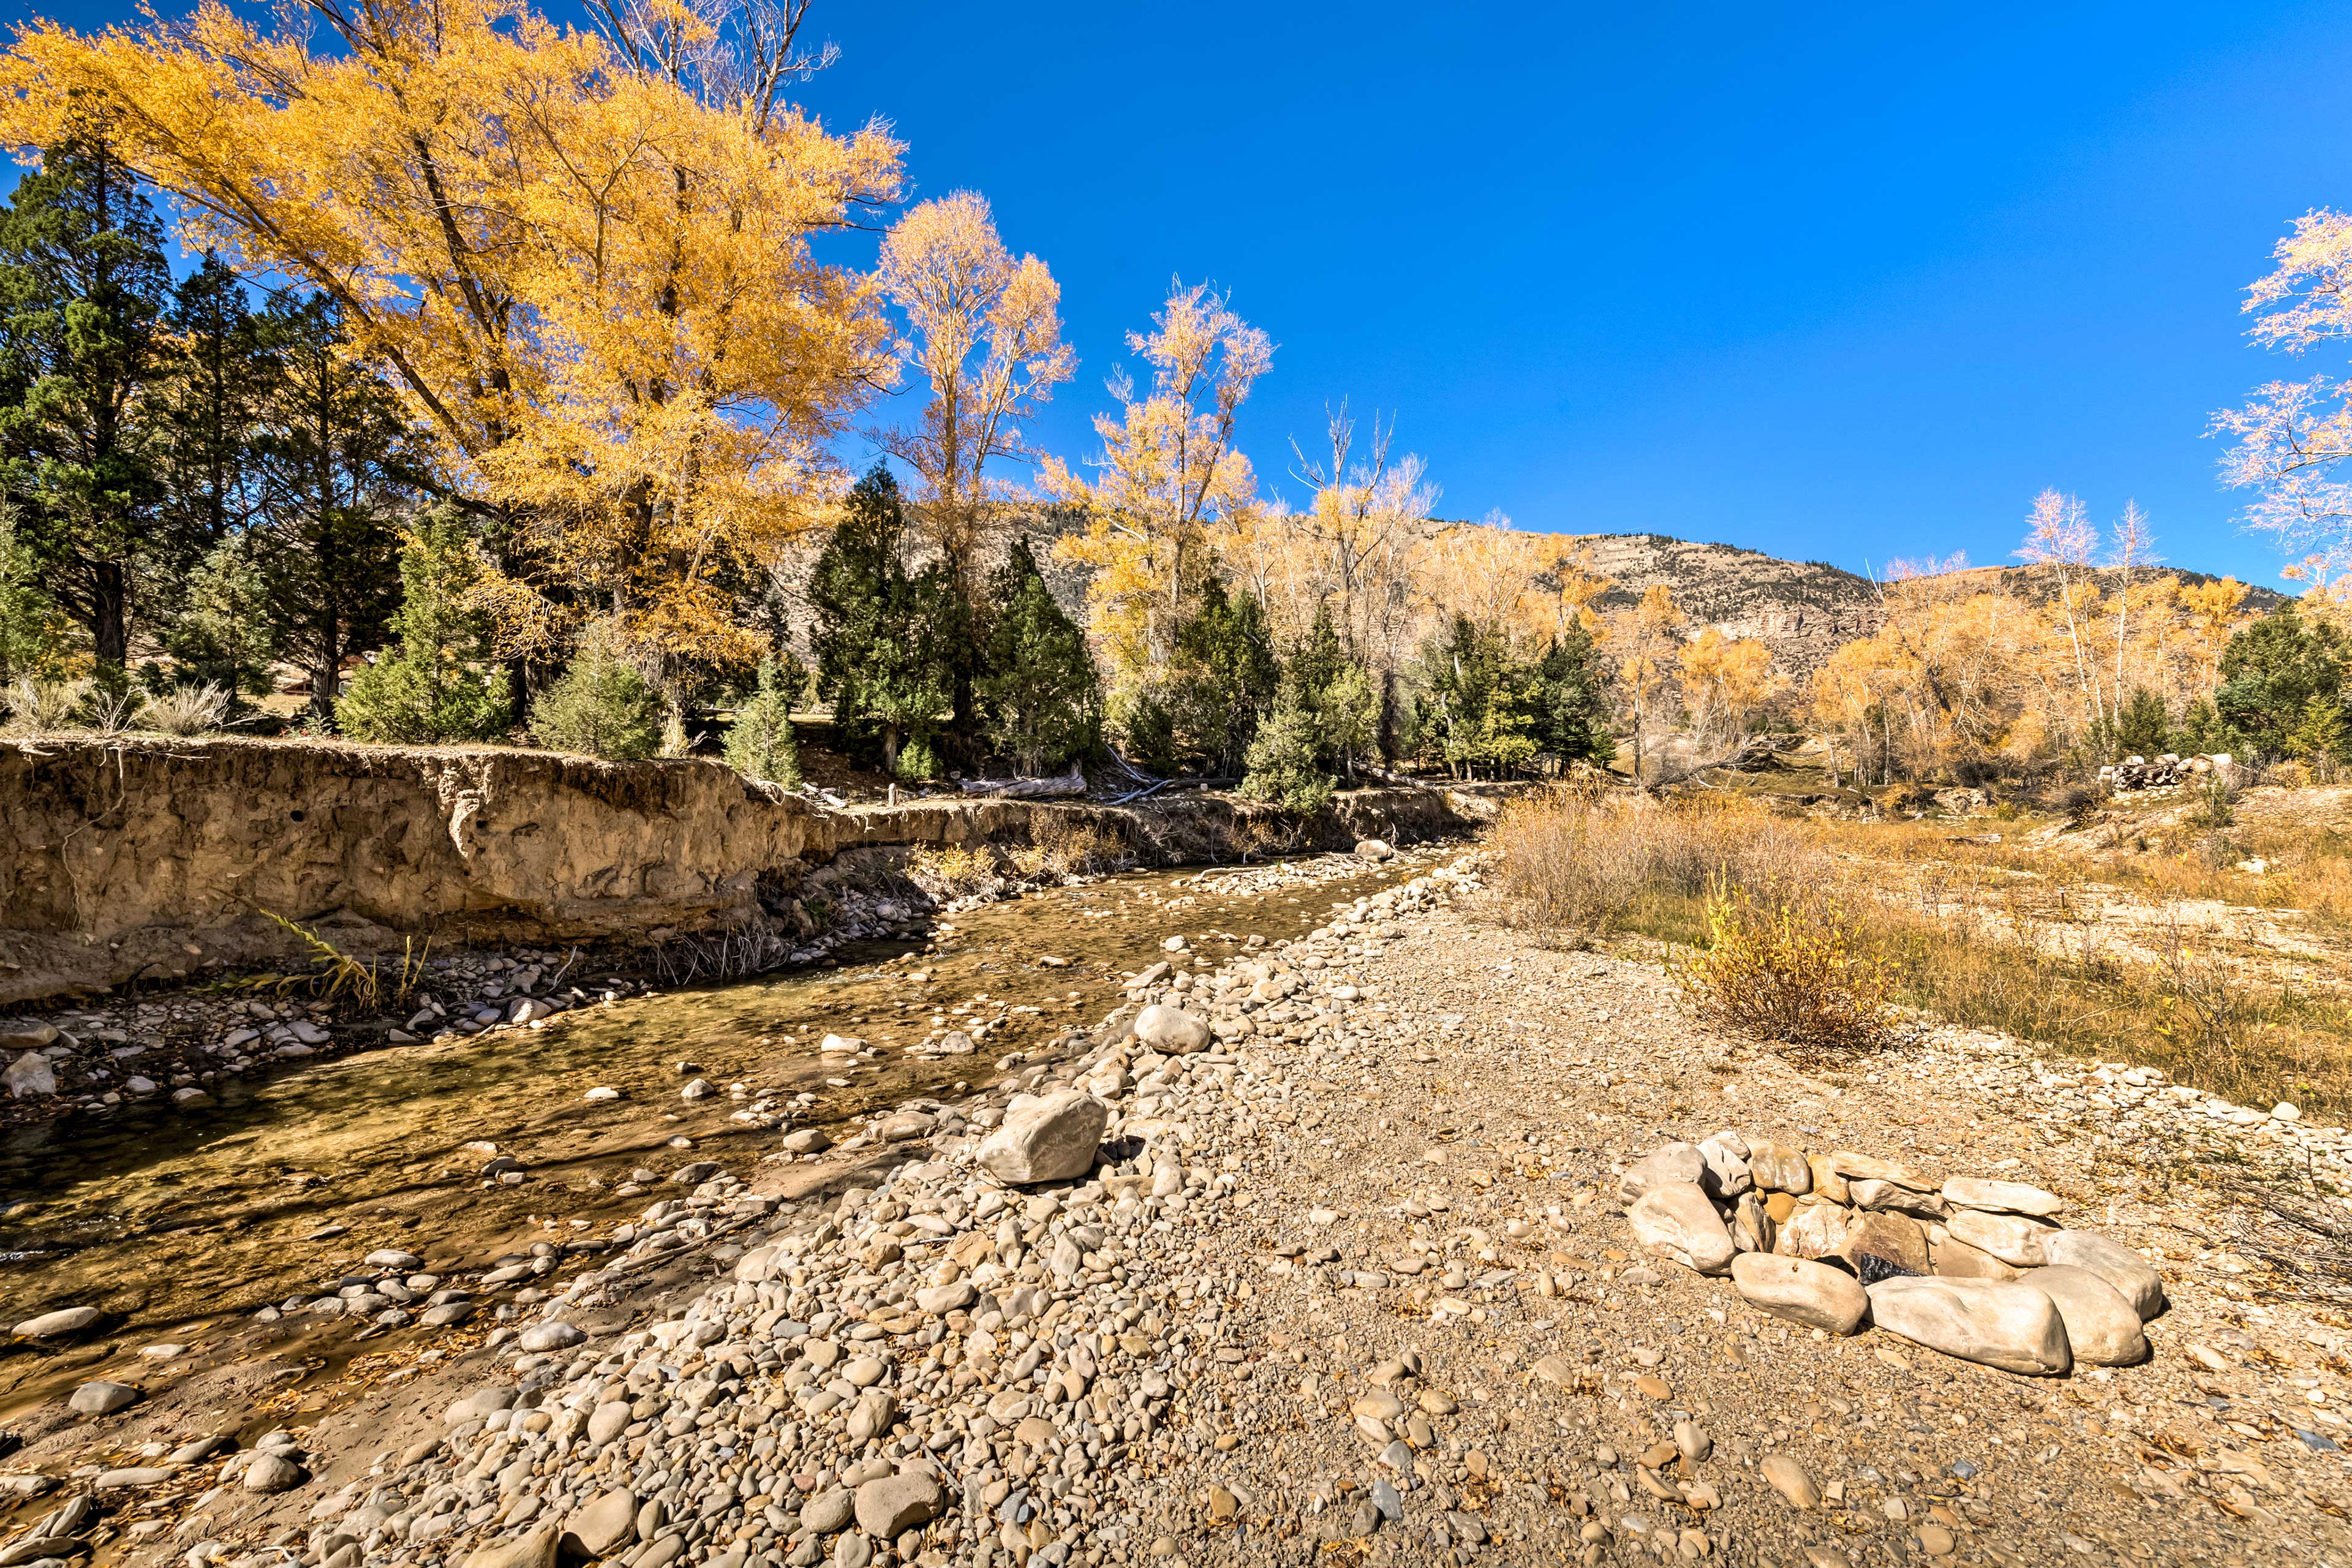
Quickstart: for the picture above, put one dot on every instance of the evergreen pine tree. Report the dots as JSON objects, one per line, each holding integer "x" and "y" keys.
{"x": 1224, "y": 677}
{"x": 1572, "y": 699}
{"x": 220, "y": 633}
{"x": 429, "y": 688}
{"x": 1349, "y": 717}
{"x": 30, "y": 642}
{"x": 1039, "y": 689}
{"x": 1283, "y": 758}
{"x": 333, "y": 459}
{"x": 760, "y": 743}
{"x": 879, "y": 658}
{"x": 2322, "y": 731}
{"x": 83, "y": 283}
{"x": 211, "y": 388}
{"x": 2143, "y": 726}
{"x": 2204, "y": 730}
{"x": 600, "y": 706}
{"x": 2270, "y": 672}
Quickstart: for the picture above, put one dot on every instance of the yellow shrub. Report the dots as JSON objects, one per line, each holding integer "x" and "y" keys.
{"x": 952, "y": 872}
{"x": 1788, "y": 970}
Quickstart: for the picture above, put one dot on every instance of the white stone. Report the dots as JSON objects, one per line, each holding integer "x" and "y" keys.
{"x": 1801, "y": 1290}
{"x": 1171, "y": 1030}
{"x": 2001, "y": 1197}
{"x": 2016, "y": 1239}
{"x": 1997, "y": 1322}
{"x": 1677, "y": 1222}
{"x": 2102, "y": 1327}
{"x": 31, "y": 1076}
{"x": 1048, "y": 1139}
{"x": 55, "y": 1325}
{"x": 1677, "y": 1164}
{"x": 2132, "y": 1276}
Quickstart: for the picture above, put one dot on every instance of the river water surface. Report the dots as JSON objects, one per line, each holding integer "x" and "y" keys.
{"x": 175, "y": 1222}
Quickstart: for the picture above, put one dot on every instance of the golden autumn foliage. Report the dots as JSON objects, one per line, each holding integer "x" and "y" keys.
{"x": 984, "y": 331}
{"x": 2019, "y": 675}
{"x": 583, "y": 258}
{"x": 1169, "y": 474}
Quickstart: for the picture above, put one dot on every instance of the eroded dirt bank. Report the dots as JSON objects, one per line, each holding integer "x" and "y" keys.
{"x": 142, "y": 858}
{"x": 1349, "y": 1283}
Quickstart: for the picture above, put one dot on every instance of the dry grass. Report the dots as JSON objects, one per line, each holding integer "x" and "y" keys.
{"x": 952, "y": 872}
{"x": 1576, "y": 869}
{"x": 186, "y": 711}
{"x": 2003, "y": 937}
{"x": 1062, "y": 847}
{"x": 359, "y": 984}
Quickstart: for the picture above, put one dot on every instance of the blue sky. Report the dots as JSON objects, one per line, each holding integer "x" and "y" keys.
{"x": 1846, "y": 284}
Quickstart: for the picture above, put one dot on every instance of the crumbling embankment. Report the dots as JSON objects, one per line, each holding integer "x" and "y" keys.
{"x": 125, "y": 858}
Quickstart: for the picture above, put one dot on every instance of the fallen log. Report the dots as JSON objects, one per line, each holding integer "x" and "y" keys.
{"x": 1069, "y": 784}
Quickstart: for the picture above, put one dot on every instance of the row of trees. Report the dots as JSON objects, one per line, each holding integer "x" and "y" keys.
{"x": 2088, "y": 655}
{"x": 537, "y": 415}
{"x": 175, "y": 456}
{"x": 538, "y": 408}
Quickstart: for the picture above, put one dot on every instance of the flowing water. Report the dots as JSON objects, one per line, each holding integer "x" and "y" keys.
{"x": 176, "y": 1223}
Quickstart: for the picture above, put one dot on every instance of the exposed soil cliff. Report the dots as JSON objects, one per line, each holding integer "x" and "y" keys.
{"x": 125, "y": 858}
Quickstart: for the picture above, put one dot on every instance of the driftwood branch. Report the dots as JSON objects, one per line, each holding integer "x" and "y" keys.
{"x": 1072, "y": 783}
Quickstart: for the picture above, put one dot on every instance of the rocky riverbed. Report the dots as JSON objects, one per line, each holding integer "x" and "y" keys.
{"x": 1322, "y": 1261}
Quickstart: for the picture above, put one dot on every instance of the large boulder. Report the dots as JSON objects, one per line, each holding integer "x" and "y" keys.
{"x": 31, "y": 1076}
{"x": 1677, "y": 1222}
{"x": 534, "y": 1549}
{"x": 1677, "y": 1164}
{"x": 271, "y": 1473}
{"x": 2001, "y": 1197}
{"x": 1996, "y": 1322}
{"x": 602, "y": 1525}
{"x": 1171, "y": 1030}
{"x": 1955, "y": 1260}
{"x": 1856, "y": 1167}
{"x": 99, "y": 1398}
{"x": 1053, "y": 1139}
{"x": 57, "y": 1325}
{"x": 894, "y": 1504}
{"x": 2016, "y": 1239}
{"x": 2132, "y": 1276}
{"x": 1877, "y": 1243}
{"x": 1778, "y": 1168}
{"x": 2102, "y": 1327}
{"x": 1728, "y": 1175}
{"x": 1801, "y": 1290}
{"x": 1811, "y": 1230}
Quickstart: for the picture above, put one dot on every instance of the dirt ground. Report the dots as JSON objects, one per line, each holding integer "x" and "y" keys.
{"x": 1434, "y": 1187}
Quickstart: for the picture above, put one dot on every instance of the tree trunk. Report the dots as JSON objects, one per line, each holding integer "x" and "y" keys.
{"x": 109, "y": 610}
{"x": 326, "y": 674}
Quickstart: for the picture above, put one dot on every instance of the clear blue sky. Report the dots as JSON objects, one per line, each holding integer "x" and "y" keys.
{"x": 1845, "y": 284}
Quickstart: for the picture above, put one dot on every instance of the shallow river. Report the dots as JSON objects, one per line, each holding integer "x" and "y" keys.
{"x": 176, "y": 1220}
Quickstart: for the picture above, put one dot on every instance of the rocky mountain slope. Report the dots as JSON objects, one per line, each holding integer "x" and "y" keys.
{"x": 1801, "y": 610}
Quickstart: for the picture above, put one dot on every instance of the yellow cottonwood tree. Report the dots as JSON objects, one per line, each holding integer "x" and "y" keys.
{"x": 984, "y": 331}
{"x": 1725, "y": 679}
{"x": 1168, "y": 473}
{"x": 584, "y": 258}
{"x": 1646, "y": 641}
